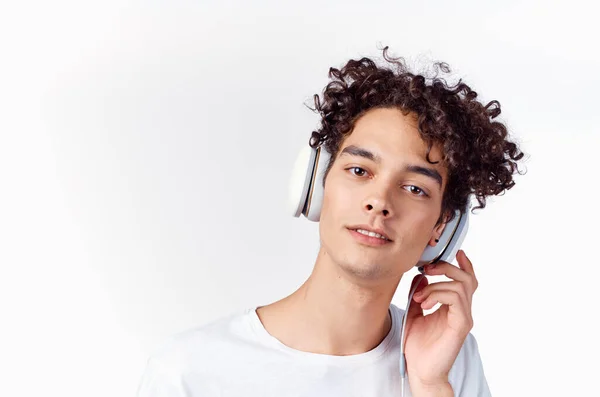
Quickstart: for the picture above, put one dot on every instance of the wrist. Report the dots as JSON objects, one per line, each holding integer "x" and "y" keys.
{"x": 443, "y": 389}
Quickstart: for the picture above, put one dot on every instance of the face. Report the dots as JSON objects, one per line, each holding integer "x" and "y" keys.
{"x": 381, "y": 179}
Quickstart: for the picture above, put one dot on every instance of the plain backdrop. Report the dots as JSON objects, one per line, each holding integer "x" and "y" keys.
{"x": 144, "y": 160}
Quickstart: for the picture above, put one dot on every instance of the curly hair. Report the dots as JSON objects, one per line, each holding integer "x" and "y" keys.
{"x": 479, "y": 157}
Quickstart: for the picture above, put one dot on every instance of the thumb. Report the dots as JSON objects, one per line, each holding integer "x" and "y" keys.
{"x": 414, "y": 308}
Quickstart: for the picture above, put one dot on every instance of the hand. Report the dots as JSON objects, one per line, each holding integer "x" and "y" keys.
{"x": 434, "y": 341}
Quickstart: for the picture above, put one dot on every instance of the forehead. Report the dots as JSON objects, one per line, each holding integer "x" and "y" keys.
{"x": 393, "y": 136}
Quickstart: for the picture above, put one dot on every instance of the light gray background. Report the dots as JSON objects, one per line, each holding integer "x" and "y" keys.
{"x": 144, "y": 160}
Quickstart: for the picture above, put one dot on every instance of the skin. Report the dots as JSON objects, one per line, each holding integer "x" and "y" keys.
{"x": 342, "y": 308}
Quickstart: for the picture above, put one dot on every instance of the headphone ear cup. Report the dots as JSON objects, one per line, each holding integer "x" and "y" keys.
{"x": 300, "y": 180}
{"x": 433, "y": 254}
{"x": 450, "y": 241}
{"x": 314, "y": 201}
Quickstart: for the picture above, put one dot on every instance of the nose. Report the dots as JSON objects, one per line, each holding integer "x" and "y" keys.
{"x": 377, "y": 205}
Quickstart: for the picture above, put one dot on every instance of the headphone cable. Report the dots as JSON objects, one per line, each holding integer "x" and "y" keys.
{"x": 402, "y": 335}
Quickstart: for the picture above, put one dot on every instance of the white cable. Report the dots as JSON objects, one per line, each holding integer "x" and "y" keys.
{"x": 402, "y": 335}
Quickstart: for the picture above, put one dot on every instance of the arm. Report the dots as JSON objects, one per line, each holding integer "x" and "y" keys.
{"x": 465, "y": 379}
{"x": 441, "y": 390}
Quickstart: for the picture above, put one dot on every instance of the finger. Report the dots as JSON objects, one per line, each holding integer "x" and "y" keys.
{"x": 455, "y": 286}
{"x": 467, "y": 280}
{"x": 421, "y": 279}
{"x": 455, "y": 302}
{"x": 455, "y": 273}
{"x": 448, "y": 270}
{"x": 459, "y": 317}
{"x": 455, "y": 307}
{"x": 414, "y": 309}
{"x": 464, "y": 262}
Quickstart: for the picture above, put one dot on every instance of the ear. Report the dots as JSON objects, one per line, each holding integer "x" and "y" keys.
{"x": 437, "y": 231}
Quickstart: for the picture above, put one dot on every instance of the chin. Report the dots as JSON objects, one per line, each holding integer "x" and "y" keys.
{"x": 359, "y": 262}
{"x": 367, "y": 270}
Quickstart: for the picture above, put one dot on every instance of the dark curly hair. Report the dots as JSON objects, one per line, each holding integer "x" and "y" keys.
{"x": 480, "y": 158}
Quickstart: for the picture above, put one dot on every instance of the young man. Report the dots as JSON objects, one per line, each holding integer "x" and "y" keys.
{"x": 405, "y": 155}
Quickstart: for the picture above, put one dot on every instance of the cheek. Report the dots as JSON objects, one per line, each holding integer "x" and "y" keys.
{"x": 413, "y": 227}
{"x": 423, "y": 230}
{"x": 338, "y": 196}
{"x": 336, "y": 208}
{"x": 329, "y": 213}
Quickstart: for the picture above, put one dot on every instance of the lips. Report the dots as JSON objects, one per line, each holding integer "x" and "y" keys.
{"x": 368, "y": 240}
{"x": 371, "y": 229}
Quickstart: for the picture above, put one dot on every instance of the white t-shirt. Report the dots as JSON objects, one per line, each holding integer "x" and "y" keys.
{"x": 236, "y": 356}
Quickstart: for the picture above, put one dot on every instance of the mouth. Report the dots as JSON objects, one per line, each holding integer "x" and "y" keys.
{"x": 369, "y": 236}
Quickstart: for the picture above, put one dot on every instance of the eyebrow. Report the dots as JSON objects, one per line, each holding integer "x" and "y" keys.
{"x": 353, "y": 150}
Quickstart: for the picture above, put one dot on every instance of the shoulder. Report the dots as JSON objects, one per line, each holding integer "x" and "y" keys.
{"x": 188, "y": 347}
{"x": 181, "y": 356}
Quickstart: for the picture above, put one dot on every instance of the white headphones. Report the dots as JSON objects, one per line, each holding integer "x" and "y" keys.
{"x": 306, "y": 197}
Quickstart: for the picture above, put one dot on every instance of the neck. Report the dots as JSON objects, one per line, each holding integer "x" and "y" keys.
{"x": 333, "y": 312}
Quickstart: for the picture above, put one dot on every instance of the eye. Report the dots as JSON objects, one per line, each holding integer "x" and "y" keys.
{"x": 415, "y": 189}
{"x": 361, "y": 171}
